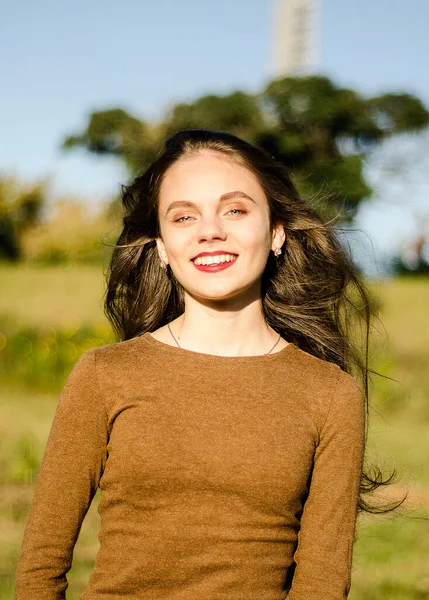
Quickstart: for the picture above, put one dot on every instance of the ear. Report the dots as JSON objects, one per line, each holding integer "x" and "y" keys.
{"x": 278, "y": 236}
{"x": 161, "y": 250}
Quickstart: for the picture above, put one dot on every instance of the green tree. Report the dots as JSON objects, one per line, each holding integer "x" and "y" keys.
{"x": 21, "y": 207}
{"x": 238, "y": 113}
{"x": 322, "y": 132}
{"x": 118, "y": 133}
{"x": 325, "y": 133}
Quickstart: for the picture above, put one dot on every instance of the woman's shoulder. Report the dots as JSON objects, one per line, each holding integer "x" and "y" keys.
{"x": 116, "y": 354}
{"x": 319, "y": 371}
{"x": 313, "y": 365}
{"x": 335, "y": 394}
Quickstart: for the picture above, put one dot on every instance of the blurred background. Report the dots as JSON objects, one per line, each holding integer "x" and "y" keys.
{"x": 338, "y": 90}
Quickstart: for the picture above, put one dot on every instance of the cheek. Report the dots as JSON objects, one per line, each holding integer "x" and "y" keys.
{"x": 178, "y": 244}
{"x": 256, "y": 237}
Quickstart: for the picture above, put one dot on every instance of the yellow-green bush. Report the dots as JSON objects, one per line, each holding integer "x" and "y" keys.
{"x": 70, "y": 234}
{"x": 42, "y": 357}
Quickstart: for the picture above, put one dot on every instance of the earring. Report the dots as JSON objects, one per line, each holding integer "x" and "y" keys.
{"x": 277, "y": 252}
{"x": 162, "y": 264}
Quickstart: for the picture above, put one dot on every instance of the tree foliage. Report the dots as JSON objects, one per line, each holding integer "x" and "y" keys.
{"x": 21, "y": 207}
{"x": 322, "y": 132}
{"x": 118, "y": 133}
{"x": 69, "y": 234}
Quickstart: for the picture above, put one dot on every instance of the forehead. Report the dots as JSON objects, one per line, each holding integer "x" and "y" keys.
{"x": 209, "y": 174}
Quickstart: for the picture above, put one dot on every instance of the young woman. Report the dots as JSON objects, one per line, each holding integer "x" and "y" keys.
{"x": 224, "y": 428}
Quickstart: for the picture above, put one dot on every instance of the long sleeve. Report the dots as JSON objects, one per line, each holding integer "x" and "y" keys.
{"x": 325, "y": 542}
{"x": 69, "y": 474}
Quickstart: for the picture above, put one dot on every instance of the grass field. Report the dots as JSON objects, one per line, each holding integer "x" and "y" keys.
{"x": 391, "y": 552}
{"x": 52, "y": 295}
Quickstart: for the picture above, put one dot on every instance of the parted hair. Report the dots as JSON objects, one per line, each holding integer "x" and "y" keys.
{"x": 312, "y": 294}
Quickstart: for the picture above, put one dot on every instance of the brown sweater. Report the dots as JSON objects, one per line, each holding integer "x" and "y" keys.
{"x": 222, "y": 477}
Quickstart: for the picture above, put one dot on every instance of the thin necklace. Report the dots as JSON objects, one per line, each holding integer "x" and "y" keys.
{"x": 168, "y": 325}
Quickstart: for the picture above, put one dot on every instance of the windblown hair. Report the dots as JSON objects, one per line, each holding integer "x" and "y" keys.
{"x": 312, "y": 294}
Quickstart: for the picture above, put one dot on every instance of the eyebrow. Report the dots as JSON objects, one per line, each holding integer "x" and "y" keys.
{"x": 223, "y": 198}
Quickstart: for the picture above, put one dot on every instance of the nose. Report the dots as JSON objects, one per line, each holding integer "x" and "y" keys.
{"x": 210, "y": 228}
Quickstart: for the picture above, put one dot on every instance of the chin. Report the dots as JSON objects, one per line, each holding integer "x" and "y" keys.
{"x": 219, "y": 292}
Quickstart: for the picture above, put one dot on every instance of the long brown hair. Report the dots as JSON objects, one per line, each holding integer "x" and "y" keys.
{"x": 312, "y": 295}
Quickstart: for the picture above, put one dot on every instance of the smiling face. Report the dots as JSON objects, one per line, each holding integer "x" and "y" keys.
{"x": 208, "y": 203}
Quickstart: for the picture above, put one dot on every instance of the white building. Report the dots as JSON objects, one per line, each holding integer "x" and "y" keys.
{"x": 295, "y": 37}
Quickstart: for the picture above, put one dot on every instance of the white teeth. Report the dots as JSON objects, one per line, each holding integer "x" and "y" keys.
{"x": 210, "y": 260}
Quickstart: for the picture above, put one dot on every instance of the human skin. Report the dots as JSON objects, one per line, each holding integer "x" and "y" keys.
{"x": 223, "y": 310}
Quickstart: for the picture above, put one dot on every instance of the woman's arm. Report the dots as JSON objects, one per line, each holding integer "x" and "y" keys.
{"x": 325, "y": 542}
{"x": 70, "y": 471}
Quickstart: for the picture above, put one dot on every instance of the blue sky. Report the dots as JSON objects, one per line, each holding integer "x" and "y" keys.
{"x": 63, "y": 60}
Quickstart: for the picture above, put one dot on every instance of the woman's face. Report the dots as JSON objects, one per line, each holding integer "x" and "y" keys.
{"x": 210, "y": 203}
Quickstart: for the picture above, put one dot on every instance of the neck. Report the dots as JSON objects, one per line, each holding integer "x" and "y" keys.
{"x": 225, "y": 332}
